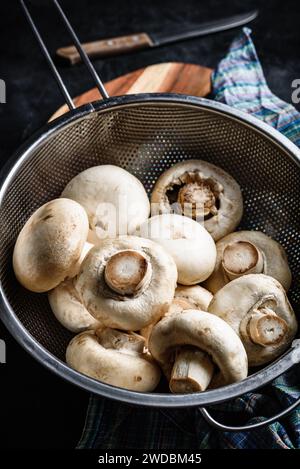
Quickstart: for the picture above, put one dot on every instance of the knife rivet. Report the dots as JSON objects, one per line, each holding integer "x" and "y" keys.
{"x": 110, "y": 43}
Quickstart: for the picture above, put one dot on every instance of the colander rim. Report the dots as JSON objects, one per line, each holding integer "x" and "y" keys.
{"x": 60, "y": 368}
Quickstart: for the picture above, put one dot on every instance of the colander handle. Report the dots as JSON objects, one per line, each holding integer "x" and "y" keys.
{"x": 228, "y": 428}
{"x": 76, "y": 42}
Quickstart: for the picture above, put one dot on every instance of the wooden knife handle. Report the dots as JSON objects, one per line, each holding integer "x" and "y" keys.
{"x": 106, "y": 47}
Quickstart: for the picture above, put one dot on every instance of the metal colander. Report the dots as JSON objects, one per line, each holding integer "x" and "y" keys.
{"x": 146, "y": 134}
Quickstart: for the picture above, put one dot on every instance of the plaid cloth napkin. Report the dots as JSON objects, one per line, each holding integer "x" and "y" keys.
{"x": 238, "y": 81}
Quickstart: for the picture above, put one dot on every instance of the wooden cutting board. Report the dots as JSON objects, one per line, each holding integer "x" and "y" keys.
{"x": 170, "y": 77}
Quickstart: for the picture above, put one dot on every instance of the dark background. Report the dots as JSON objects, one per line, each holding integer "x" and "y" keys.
{"x": 37, "y": 409}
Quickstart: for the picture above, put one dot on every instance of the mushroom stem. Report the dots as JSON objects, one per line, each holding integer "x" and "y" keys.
{"x": 199, "y": 197}
{"x": 128, "y": 272}
{"x": 266, "y": 328}
{"x": 192, "y": 371}
{"x": 118, "y": 340}
{"x": 240, "y": 258}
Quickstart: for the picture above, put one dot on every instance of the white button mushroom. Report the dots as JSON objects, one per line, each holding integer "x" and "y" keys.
{"x": 127, "y": 282}
{"x": 50, "y": 245}
{"x": 248, "y": 252}
{"x": 257, "y": 308}
{"x": 191, "y": 246}
{"x": 189, "y": 343}
{"x": 115, "y": 200}
{"x": 196, "y": 295}
{"x": 115, "y": 358}
{"x": 201, "y": 190}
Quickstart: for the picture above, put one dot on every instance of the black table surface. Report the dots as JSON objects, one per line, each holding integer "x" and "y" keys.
{"x": 38, "y": 409}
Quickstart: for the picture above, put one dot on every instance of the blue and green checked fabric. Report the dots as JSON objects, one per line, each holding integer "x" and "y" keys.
{"x": 239, "y": 82}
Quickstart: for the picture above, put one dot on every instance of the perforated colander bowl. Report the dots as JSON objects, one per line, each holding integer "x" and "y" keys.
{"x": 146, "y": 134}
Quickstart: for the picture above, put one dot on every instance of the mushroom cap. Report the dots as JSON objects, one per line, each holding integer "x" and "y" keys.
{"x": 201, "y": 330}
{"x": 189, "y": 243}
{"x": 86, "y": 248}
{"x": 219, "y": 193}
{"x": 129, "y": 312}
{"x": 50, "y": 244}
{"x": 198, "y": 296}
{"x": 69, "y": 310}
{"x": 275, "y": 263}
{"x": 130, "y": 370}
{"x": 241, "y": 298}
{"x": 115, "y": 200}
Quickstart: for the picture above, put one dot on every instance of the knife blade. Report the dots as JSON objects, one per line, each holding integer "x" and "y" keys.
{"x": 124, "y": 44}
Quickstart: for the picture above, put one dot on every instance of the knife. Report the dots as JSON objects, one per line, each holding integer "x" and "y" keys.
{"x": 123, "y": 44}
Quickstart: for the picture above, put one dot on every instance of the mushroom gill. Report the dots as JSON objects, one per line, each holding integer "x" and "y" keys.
{"x": 198, "y": 197}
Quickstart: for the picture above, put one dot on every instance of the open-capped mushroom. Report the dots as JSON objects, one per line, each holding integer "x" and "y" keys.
{"x": 127, "y": 282}
{"x": 114, "y": 357}
{"x": 115, "y": 200}
{"x": 248, "y": 252}
{"x": 257, "y": 308}
{"x": 202, "y": 191}
{"x": 50, "y": 245}
{"x": 191, "y": 246}
{"x": 189, "y": 343}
